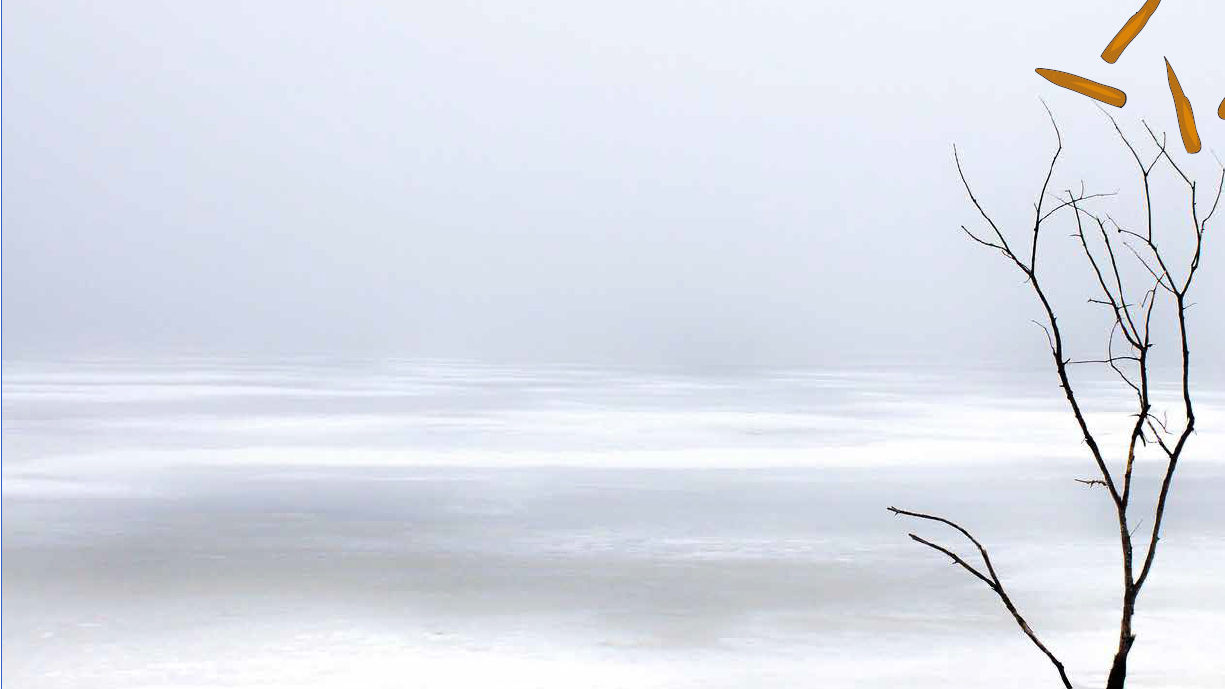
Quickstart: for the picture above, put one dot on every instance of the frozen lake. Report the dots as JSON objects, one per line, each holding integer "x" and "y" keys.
{"x": 316, "y": 523}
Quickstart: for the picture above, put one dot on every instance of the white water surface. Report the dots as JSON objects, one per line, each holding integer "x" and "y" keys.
{"x": 326, "y": 523}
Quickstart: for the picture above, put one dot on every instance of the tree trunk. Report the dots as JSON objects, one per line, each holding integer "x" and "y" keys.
{"x": 1118, "y": 671}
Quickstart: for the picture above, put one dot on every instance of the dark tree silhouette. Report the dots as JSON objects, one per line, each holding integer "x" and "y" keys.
{"x": 1103, "y": 241}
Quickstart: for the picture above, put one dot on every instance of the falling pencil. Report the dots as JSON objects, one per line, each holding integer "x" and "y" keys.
{"x": 1186, "y": 118}
{"x": 1130, "y": 30}
{"x": 1092, "y": 89}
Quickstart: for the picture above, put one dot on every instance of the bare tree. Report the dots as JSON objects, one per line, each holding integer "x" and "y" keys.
{"x": 1103, "y": 241}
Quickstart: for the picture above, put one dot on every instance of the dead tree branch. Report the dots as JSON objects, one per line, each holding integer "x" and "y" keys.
{"x": 1131, "y": 314}
{"x": 991, "y": 579}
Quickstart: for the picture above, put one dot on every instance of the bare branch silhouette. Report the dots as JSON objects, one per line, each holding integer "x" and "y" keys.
{"x": 991, "y": 579}
{"x": 1131, "y": 321}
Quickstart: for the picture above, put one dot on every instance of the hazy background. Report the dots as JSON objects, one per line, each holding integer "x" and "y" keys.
{"x": 556, "y": 344}
{"x": 658, "y": 181}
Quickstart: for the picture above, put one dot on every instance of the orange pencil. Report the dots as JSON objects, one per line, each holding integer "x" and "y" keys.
{"x": 1130, "y": 30}
{"x": 1106, "y": 94}
{"x": 1186, "y": 118}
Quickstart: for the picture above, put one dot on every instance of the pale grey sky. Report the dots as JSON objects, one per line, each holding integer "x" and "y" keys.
{"x": 662, "y": 181}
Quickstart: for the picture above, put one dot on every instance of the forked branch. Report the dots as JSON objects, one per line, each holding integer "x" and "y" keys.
{"x": 990, "y": 578}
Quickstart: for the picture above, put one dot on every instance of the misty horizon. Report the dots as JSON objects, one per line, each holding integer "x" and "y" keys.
{"x": 641, "y": 184}
{"x": 545, "y": 344}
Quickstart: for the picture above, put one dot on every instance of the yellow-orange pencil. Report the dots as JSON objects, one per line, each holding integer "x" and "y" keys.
{"x": 1130, "y": 30}
{"x": 1186, "y": 118}
{"x": 1106, "y": 94}
{"x": 1220, "y": 112}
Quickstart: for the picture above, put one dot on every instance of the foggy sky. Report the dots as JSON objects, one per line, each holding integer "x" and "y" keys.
{"x": 655, "y": 181}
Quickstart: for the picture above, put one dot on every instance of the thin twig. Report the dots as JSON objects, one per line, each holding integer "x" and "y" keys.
{"x": 991, "y": 579}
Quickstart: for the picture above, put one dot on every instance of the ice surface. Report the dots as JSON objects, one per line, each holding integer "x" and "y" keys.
{"x": 208, "y": 523}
